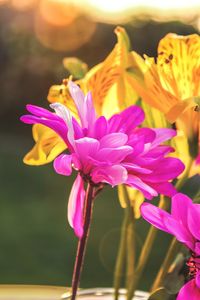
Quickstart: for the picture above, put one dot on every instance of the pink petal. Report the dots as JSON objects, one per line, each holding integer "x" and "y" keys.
{"x": 154, "y": 215}
{"x": 79, "y": 100}
{"x": 164, "y": 188}
{"x": 180, "y": 206}
{"x": 197, "y": 279}
{"x": 113, "y": 140}
{"x": 89, "y": 110}
{"x": 162, "y": 135}
{"x": 100, "y": 127}
{"x": 57, "y": 126}
{"x": 180, "y": 232}
{"x": 168, "y": 168}
{"x": 197, "y": 248}
{"x": 131, "y": 117}
{"x": 86, "y": 147}
{"x": 41, "y": 112}
{"x": 136, "y": 168}
{"x": 189, "y": 291}
{"x": 194, "y": 220}
{"x": 76, "y": 205}
{"x": 112, "y": 175}
{"x": 64, "y": 113}
{"x": 62, "y": 164}
{"x": 137, "y": 183}
{"x": 113, "y": 155}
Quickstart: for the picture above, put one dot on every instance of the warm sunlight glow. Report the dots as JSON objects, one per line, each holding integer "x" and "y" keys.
{"x": 58, "y": 12}
{"x": 121, "y": 11}
{"x": 23, "y": 4}
{"x": 119, "y": 6}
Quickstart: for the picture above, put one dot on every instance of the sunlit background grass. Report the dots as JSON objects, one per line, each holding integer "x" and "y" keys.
{"x": 37, "y": 246}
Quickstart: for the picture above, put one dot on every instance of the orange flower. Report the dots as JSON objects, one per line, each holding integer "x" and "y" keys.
{"x": 172, "y": 83}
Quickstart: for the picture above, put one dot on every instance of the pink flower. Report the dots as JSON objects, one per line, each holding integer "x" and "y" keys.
{"x": 184, "y": 224}
{"x": 113, "y": 151}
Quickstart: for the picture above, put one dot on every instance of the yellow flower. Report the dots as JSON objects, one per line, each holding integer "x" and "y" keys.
{"x": 172, "y": 83}
{"x": 111, "y": 89}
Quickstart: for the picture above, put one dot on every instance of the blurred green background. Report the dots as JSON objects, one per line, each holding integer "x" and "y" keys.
{"x": 37, "y": 246}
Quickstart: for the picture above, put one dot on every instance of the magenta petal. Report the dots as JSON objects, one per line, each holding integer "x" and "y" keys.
{"x": 194, "y": 220}
{"x": 89, "y": 110}
{"x": 154, "y": 215}
{"x": 164, "y": 188}
{"x": 86, "y": 147}
{"x": 180, "y": 206}
{"x": 113, "y": 140}
{"x": 75, "y": 206}
{"x": 62, "y": 164}
{"x": 113, "y": 175}
{"x": 100, "y": 127}
{"x": 189, "y": 291}
{"x": 162, "y": 135}
{"x": 180, "y": 232}
{"x": 197, "y": 279}
{"x": 147, "y": 190}
{"x": 113, "y": 155}
{"x": 131, "y": 117}
{"x": 41, "y": 112}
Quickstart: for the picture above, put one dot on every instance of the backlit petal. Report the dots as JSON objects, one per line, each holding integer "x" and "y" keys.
{"x": 75, "y": 206}
{"x": 62, "y": 164}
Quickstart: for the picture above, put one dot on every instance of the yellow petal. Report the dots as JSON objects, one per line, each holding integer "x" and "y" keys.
{"x": 60, "y": 93}
{"x": 179, "y": 64}
{"x": 177, "y": 110}
{"x": 153, "y": 117}
{"x": 136, "y": 198}
{"x": 102, "y": 77}
{"x": 48, "y": 145}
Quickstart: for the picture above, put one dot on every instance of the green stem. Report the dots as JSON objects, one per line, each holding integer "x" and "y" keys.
{"x": 121, "y": 256}
{"x": 145, "y": 253}
{"x": 83, "y": 241}
{"x": 173, "y": 249}
{"x": 130, "y": 249}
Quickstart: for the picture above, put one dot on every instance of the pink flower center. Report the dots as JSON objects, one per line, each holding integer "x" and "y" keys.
{"x": 194, "y": 265}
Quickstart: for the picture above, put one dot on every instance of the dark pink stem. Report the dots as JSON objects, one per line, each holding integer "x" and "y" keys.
{"x": 80, "y": 254}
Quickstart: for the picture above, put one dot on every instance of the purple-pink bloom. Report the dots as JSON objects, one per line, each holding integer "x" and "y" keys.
{"x": 184, "y": 224}
{"x": 113, "y": 151}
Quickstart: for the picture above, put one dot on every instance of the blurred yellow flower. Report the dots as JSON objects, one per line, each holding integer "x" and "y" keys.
{"x": 172, "y": 83}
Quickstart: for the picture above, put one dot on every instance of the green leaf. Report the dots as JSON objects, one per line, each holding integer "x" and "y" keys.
{"x": 76, "y": 67}
{"x": 174, "y": 280}
{"x": 161, "y": 294}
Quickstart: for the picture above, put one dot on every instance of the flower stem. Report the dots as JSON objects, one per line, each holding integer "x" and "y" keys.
{"x": 130, "y": 251}
{"x": 173, "y": 249}
{"x": 80, "y": 254}
{"x": 121, "y": 256}
{"x": 146, "y": 250}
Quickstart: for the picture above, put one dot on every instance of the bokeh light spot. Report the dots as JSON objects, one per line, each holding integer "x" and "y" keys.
{"x": 64, "y": 38}
{"x": 58, "y": 13}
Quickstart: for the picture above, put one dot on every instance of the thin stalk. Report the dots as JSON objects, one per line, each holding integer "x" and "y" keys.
{"x": 173, "y": 249}
{"x": 121, "y": 256}
{"x": 80, "y": 254}
{"x": 145, "y": 253}
{"x": 130, "y": 251}
{"x": 174, "y": 246}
